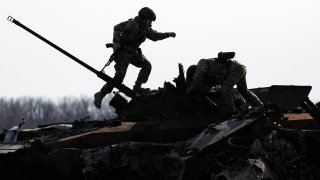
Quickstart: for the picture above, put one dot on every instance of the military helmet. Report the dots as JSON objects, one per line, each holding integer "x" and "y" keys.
{"x": 147, "y": 13}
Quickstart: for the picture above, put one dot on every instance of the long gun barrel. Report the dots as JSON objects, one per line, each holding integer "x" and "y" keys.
{"x": 122, "y": 88}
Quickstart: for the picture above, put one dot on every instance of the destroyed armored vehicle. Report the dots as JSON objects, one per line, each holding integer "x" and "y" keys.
{"x": 169, "y": 135}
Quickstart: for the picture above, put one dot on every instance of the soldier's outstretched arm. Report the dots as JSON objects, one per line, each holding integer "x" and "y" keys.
{"x": 155, "y": 36}
{"x": 249, "y": 96}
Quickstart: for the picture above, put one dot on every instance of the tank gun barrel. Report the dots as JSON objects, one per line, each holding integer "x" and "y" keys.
{"x": 122, "y": 88}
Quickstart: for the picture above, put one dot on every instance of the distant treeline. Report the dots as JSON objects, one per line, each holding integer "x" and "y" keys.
{"x": 38, "y": 110}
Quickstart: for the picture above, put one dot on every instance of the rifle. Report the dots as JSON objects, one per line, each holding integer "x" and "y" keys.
{"x": 121, "y": 87}
{"x": 113, "y": 55}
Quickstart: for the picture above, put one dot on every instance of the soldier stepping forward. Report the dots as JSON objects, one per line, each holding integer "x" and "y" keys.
{"x": 127, "y": 38}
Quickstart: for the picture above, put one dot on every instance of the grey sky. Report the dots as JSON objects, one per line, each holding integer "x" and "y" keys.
{"x": 278, "y": 41}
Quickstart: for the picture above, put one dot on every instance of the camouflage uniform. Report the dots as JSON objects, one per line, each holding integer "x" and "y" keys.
{"x": 131, "y": 34}
{"x": 127, "y": 38}
{"x": 211, "y": 72}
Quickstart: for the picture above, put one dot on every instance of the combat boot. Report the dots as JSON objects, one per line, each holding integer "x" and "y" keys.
{"x": 138, "y": 89}
{"x": 98, "y": 99}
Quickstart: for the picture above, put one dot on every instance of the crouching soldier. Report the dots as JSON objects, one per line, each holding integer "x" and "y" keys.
{"x": 127, "y": 38}
{"x": 220, "y": 75}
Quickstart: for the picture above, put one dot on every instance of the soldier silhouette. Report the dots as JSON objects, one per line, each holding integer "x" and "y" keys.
{"x": 127, "y": 38}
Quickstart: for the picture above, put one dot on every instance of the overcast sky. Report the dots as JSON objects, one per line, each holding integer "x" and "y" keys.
{"x": 278, "y": 41}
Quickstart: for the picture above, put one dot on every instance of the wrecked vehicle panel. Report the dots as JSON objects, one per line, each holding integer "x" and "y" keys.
{"x": 216, "y": 133}
{"x": 161, "y": 132}
{"x": 285, "y": 97}
{"x": 6, "y": 148}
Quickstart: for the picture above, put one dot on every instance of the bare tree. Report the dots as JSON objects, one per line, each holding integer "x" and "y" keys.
{"x": 40, "y": 110}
